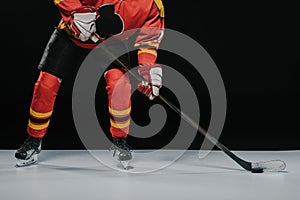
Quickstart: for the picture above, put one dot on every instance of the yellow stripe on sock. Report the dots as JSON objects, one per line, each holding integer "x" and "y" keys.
{"x": 118, "y": 125}
{"x": 40, "y": 115}
{"x": 38, "y": 127}
{"x": 119, "y": 112}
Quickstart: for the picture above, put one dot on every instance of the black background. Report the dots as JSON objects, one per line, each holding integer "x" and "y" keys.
{"x": 256, "y": 51}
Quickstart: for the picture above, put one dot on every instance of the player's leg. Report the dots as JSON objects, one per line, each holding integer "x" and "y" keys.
{"x": 119, "y": 105}
{"x": 60, "y": 57}
{"x": 41, "y": 108}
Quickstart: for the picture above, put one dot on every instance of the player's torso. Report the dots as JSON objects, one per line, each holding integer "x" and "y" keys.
{"x": 133, "y": 12}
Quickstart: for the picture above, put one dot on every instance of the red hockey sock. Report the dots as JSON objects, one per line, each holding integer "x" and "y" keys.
{"x": 42, "y": 103}
{"x": 119, "y": 94}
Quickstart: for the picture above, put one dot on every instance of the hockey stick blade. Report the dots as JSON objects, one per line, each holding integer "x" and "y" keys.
{"x": 269, "y": 166}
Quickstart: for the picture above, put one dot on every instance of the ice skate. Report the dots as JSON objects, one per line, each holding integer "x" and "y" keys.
{"x": 27, "y": 154}
{"x": 122, "y": 151}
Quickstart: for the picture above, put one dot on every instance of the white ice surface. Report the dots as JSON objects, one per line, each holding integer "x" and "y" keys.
{"x": 79, "y": 174}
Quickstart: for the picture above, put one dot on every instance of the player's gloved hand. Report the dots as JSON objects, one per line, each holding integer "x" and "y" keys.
{"x": 152, "y": 80}
{"x": 82, "y": 22}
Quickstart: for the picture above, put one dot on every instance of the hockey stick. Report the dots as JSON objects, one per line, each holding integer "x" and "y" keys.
{"x": 255, "y": 167}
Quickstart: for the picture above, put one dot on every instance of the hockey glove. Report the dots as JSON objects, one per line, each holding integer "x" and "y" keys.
{"x": 152, "y": 80}
{"x": 82, "y": 23}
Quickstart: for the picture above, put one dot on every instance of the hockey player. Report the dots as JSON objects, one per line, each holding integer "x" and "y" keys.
{"x": 69, "y": 44}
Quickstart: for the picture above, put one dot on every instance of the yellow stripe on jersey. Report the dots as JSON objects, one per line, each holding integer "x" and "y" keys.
{"x": 160, "y": 7}
{"x": 119, "y": 125}
{"x": 119, "y": 112}
{"x": 40, "y": 115}
{"x": 147, "y": 44}
{"x": 62, "y": 25}
{"x": 57, "y": 1}
{"x": 150, "y": 51}
{"x": 38, "y": 127}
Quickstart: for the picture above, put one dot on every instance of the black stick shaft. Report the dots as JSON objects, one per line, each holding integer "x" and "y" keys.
{"x": 246, "y": 165}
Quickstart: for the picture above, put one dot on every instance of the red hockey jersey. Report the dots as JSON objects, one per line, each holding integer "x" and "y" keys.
{"x": 135, "y": 14}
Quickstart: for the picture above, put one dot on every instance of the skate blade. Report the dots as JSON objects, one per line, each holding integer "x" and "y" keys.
{"x": 125, "y": 164}
{"x": 24, "y": 163}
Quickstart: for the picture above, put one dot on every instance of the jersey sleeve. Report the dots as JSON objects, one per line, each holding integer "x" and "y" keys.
{"x": 65, "y": 7}
{"x": 151, "y": 34}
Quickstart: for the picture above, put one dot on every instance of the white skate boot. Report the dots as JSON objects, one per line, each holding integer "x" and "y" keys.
{"x": 27, "y": 154}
